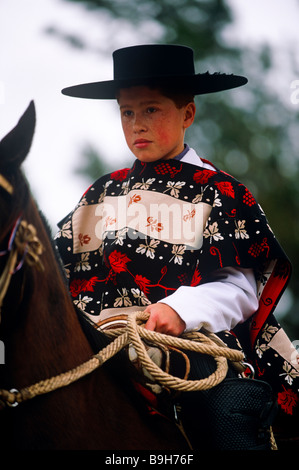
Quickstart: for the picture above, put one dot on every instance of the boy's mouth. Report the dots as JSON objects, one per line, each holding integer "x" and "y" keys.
{"x": 141, "y": 143}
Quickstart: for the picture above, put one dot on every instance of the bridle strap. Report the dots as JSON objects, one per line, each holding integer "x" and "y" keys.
{"x": 6, "y": 276}
{"x": 23, "y": 245}
{"x": 9, "y": 268}
{"x": 5, "y": 184}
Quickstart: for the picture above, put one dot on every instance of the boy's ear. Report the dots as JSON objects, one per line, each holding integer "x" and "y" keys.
{"x": 190, "y": 111}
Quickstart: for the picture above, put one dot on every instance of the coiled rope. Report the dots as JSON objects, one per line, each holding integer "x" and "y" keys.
{"x": 134, "y": 333}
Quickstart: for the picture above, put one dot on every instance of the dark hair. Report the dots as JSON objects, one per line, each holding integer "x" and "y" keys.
{"x": 179, "y": 96}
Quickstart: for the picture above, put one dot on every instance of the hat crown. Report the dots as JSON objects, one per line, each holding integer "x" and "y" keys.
{"x": 153, "y": 61}
{"x": 156, "y": 65}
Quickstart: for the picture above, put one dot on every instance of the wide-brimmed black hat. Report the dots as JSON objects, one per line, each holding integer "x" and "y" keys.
{"x": 156, "y": 64}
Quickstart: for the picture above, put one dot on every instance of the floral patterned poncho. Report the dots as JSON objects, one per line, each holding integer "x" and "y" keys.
{"x": 138, "y": 234}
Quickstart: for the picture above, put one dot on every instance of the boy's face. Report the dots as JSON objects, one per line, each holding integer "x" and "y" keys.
{"x": 153, "y": 126}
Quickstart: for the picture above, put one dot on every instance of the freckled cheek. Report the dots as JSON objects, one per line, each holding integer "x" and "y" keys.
{"x": 162, "y": 134}
{"x": 128, "y": 133}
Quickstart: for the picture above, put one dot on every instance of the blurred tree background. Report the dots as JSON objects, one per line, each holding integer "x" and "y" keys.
{"x": 251, "y": 134}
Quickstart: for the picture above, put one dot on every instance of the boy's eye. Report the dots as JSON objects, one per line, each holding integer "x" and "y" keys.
{"x": 151, "y": 110}
{"x": 127, "y": 113}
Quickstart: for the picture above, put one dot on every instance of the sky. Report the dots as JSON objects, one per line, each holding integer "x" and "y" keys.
{"x": 35, "y": 65}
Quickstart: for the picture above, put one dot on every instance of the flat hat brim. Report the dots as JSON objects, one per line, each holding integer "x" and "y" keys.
{"x": 198, "y": 84}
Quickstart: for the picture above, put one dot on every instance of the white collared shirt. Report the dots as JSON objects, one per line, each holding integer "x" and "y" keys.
{"x": 230, "y": 299}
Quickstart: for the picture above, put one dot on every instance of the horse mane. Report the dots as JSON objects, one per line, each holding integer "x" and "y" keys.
{"x": 54, "y": 247}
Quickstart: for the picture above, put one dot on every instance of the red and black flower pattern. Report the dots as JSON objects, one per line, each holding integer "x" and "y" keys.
{"x": 133, "y": 269}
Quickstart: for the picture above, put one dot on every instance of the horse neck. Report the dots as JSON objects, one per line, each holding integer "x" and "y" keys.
{"x": 47, "y": 338}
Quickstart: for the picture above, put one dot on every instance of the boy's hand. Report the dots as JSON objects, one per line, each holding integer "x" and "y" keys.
{"x": 164, "y": 319}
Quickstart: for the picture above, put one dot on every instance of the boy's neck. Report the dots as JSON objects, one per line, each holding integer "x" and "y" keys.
{"x": 183, "y": 153}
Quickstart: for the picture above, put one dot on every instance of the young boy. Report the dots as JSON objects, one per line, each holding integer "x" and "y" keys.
{"x": 173, "y": 234}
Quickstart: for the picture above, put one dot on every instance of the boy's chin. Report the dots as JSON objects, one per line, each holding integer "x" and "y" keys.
{"x": 149, "y": 158}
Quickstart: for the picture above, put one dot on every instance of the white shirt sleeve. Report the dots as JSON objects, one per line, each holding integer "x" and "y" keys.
{"x": 229, "y": 299}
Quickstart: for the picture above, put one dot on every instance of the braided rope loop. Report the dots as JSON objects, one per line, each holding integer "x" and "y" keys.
{"x": 133, "y": 334}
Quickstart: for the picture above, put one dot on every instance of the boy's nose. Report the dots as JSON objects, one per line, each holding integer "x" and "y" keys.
{"x": 139, "y": 124}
